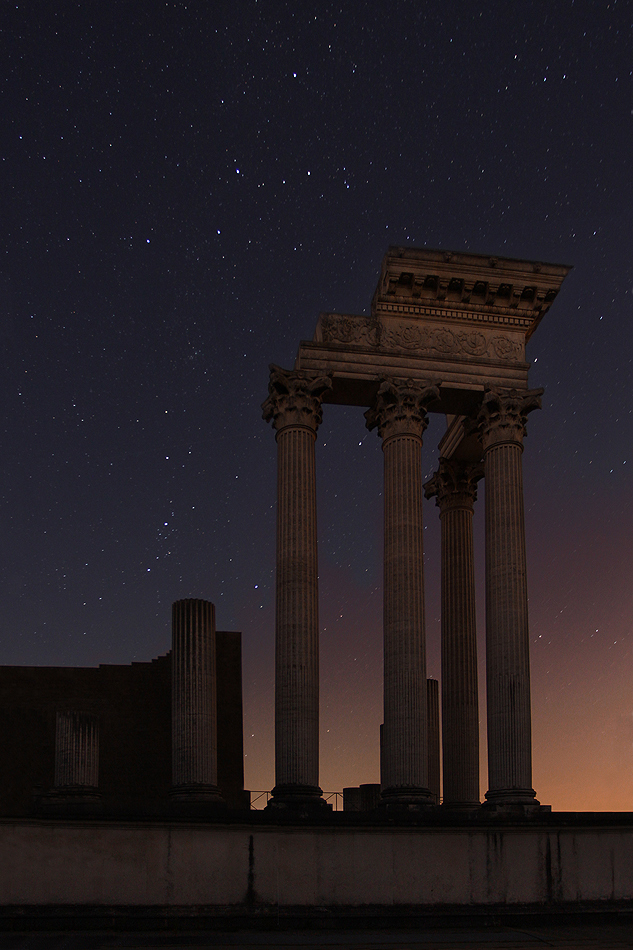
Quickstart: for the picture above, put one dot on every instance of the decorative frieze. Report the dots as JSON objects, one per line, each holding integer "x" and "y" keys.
{"x": 419, "y": 338}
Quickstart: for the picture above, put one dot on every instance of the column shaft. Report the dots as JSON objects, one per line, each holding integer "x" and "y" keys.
{"x": 406, "y": 728}
{"x": 297, "y": 641}
{"x": 460, "y": 704}
{"x": 399, "y": 414}
{"x": 76, "y": 750}
{"x": 194, "y": 722}
{"x": 503, "y": 421}
{"x": 433, "y": 716}
{"x": 454, "y": 486}
{"x": 294, "y": 407}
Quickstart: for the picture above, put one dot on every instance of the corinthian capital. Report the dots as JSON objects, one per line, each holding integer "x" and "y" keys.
{"x": 294, "y": 398}
{"x": 400, "y": 407}
{"x": 503, "y": 415}
{"x": 454, "y": 485}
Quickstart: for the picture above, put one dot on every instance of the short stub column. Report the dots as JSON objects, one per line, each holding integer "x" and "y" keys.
{"x": 194, "y": 715}
{"x": 454, "y": 486}
{"x": 294, "y": 407}
{"x": 502, "y": 425}
{"x": 399, "y": 414}
{"x": 76, "y": 782}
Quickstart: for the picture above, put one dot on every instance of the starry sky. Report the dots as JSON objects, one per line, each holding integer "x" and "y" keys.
{"x": 184, "y": 186}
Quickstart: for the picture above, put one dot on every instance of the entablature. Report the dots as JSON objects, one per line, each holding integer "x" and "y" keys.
{"x": 475, "y": 288}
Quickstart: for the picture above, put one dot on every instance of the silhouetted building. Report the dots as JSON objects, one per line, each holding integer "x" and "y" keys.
{"x": 131, "y": 709}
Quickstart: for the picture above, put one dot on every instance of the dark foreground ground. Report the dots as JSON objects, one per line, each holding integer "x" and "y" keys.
{"x": 600, "y": 936}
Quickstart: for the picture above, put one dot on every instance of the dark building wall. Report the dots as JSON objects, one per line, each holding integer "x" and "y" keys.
{"x": 133, "y": 705}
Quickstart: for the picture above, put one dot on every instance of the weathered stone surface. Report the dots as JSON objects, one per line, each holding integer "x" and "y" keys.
{"x": 254, "y": 869}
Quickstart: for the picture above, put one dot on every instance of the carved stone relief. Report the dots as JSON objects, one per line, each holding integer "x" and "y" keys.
{"x": 425, "y": 340}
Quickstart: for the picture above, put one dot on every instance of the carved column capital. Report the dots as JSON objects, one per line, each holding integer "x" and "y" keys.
{"x": 503, "y": 415}
{"x": 400, "y": 408}
{"x": 294, "y": 398}
{"x": 454, "y": 485}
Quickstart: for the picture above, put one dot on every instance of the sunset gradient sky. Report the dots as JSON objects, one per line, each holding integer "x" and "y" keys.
{"x": 184, "y": 187}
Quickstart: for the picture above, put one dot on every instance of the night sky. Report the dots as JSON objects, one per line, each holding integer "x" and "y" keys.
{"x": 184, "y": 186}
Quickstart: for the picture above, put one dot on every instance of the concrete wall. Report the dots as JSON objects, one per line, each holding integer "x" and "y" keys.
{"x": 175, "y": 864}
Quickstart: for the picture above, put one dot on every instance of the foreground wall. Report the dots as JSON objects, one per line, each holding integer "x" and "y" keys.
{"x": 169, "y": 864}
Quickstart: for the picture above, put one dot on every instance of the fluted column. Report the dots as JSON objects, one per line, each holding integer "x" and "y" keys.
{"x": 455, "y": 489}
{"x": 76, "y": 751}
{"x": 194, "y": 716}
{"x": 75, "y": 790}
{"x": 399, "y": 414}
{"x": 433, "y": 716}
{"x": 502, "y": 422}
{"x": 294, "y": 407}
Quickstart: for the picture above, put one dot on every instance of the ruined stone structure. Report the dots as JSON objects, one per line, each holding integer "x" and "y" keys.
{"x": 446, "y": 333}
{"x": 158, "y": 739}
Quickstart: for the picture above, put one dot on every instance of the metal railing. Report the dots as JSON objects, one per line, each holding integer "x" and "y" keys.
{"x": 259, "y": 799}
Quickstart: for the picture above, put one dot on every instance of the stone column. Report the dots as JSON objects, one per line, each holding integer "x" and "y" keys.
{"x": 193, "y": 699}
{"x": 399, "y": 414}
{"x": 502, "y": 423}
{"x": 455, "y": 489}
{"x": 76, "y": 751}
{"x": 76, "y": 778}
{"x": 433, "y": 716}
{"x": 294, "y": 406}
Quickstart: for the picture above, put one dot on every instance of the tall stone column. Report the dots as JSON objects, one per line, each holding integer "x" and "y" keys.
{"x": 294, "y": 406}
{"x": 502, "y": 423}
{"x": 455, "y": 489}
{"x": 194, "y": 715}
{"x": 399, "y": 414}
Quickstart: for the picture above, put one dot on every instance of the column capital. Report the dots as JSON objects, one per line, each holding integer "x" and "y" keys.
{"x": 400, "y": 407}
{"x": 503, "y": 414}
{"x": 294, "y": 398}
{"x": 454, "y": 485}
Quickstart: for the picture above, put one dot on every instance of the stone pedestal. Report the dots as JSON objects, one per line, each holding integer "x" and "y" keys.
{"x": 294, "y": 407}
{"x": 399, "y": 414}
{"x": 76, "y": 781}
{"x": 502, "y": 422}
{"x": 455, "y": 488}
{"x": 194, "y": 723}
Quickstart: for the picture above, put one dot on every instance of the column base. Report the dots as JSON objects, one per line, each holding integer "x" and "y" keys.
{"x": 500, "y": 796}
{"x": 403, "y": 800}
{"x": 70, "y": 801}
{"x": 461, "y": 806}
{"x": 298, "y": 800}
{"x": 514, "y": 803}
{"x": 196, "y": 800}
